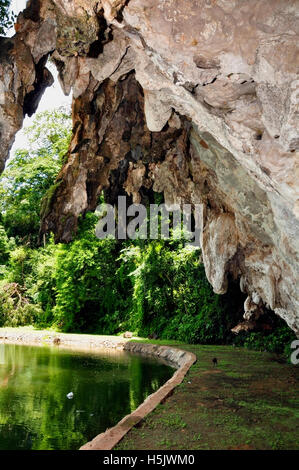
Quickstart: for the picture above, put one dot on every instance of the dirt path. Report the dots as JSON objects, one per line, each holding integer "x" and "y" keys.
{"x": 248, "y": 401}
{"x": 28, "y": 335}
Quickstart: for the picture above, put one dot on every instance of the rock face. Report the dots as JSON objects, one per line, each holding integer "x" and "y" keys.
{"x": 197, "y": 99}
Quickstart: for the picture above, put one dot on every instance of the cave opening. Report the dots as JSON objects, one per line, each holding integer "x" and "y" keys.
{"x": 115, "y": 110}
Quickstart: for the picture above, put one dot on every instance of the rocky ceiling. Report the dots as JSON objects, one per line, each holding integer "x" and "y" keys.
{"x": 197, "y": 99}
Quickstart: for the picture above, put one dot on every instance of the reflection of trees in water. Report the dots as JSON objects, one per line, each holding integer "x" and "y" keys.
{"x": 8, "y": 364}
{"x": 33, "y": 401}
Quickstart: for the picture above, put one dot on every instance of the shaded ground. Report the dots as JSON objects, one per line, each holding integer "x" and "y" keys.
{"x": 248, "y": 401}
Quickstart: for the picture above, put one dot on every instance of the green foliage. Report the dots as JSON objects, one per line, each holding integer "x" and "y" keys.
{"x": 40, "y": 282}
{"x": 276, "y": 341}
{"x": 46, "y": 202}
{"x": 155, "y": 288}
{"x": 76, "y": 285}
{"x": 85, "y": 286}
{"x": 7, "y": 17}
{"x": 4, "y": 246}
{"x": 19, "y": 264}
{"x": 16, "y": 310}
{"x": 31, "y": 172}
{"x": 172, "y": 298}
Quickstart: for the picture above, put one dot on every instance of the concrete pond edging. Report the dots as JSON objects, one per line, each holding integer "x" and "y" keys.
{"x": 182, "y": 359}
{"x": 179, "y": 358}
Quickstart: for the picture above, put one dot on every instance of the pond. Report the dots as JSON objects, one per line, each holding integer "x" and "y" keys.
{"x": 35, "y": 412}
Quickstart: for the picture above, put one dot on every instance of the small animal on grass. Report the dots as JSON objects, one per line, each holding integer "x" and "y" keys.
{"x": 215, "y": 361}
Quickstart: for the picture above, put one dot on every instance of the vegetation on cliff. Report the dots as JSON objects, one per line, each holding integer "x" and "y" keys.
{"x": 155, "y": 288}
{"x": 6, "y": 16}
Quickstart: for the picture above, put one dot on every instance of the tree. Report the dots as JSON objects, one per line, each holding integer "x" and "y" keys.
{"x": 31, "y": 172}
{"x": 4, "y": 246}
{"x": 6, "y": 16}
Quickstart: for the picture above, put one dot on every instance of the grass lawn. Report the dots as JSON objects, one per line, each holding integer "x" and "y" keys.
{"x": 248, "y": 401}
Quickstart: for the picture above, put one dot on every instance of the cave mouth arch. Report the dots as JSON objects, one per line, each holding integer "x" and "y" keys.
{"x": 207, "y": 134}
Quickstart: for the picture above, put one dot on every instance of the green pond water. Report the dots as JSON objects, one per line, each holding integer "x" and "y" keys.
{"x": 35, "y": 412}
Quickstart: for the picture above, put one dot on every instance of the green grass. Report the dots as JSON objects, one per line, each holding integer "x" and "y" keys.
{"x": 249, "y": 401}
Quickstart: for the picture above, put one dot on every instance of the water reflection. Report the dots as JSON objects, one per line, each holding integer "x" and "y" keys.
{"x": 34, "y": 381}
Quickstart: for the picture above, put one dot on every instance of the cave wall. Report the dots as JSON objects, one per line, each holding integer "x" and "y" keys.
{"x": 196, "y": 99}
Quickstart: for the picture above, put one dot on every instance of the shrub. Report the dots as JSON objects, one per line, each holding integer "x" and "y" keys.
{"x": 276, "y": 341}
{"x": 15, "y": 309}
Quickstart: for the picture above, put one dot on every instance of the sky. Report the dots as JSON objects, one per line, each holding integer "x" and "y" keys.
{"x": 52, "y": 97}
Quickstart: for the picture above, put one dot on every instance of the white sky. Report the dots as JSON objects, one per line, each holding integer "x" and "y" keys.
{"x": 52, "y": 97}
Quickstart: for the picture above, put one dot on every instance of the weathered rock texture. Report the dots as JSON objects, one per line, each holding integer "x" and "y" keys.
{"x": 196, "y": 99}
